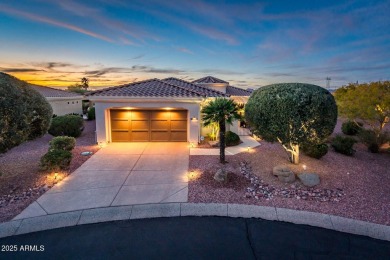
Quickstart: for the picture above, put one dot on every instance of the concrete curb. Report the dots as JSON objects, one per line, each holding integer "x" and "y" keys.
{"x": 97, "y": 215}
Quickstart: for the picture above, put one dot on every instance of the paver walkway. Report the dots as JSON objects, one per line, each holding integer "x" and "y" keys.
{"x": 247, "y": 142}
{"x": 120, "y": 174}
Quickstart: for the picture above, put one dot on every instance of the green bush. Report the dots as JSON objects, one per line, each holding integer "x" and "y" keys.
{"x": 69, "y": 125}
{"x": 65, "y": 143}
{"x": 91, "y": 113}
{"x": 24, "y": 113}
{"x": 292, "y": 114}
{"x": 55, "y": 160}
{"x": 372, "y": 140}
{"x": 351, "y": 127}
{"x": 231, "y": 138}
{"x": 344, "y": 144}
{"x": 315, "y": 150}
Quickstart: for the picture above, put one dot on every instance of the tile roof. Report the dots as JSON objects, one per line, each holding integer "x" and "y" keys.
{"x": 209, "y": 79}
{"x": 147, "y": 88}
{"x": 54, "y": 92}
{"x": 234, "y": 91}
{"x": 204, "y": 90}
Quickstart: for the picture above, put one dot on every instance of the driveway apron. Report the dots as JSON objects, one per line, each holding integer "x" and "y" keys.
{"x": 120, "y": 174}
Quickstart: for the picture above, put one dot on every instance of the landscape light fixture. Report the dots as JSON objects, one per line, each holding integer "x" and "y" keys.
{"x": 304, "y": 167}
{"x": 55, "y": 175}
{"x": 248, "y": 148}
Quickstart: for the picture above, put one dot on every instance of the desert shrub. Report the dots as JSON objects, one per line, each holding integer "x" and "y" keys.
{"x": 231, "y": 138}
{"x": 372, "y": 140}
{"x": 55, "y": 159}
{"x": 344, "y": 144}
{"x": 315, "y": 150}
{"x": 91, "y": 113}
{"x": 24, "y": 113}
{"x": 69, "y": 125}
{"x": 66, "y": 143}
{"x": 351, "y": 128}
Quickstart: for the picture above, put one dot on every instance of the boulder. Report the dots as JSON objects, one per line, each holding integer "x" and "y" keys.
{"x": 220, "y": 175}
{"x": 309, "y": 179}
{"x": 281, "y": 170}
{"x": 283, "y": 173}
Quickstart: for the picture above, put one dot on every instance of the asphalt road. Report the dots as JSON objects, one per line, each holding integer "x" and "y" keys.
{"x": 193, "y": 238}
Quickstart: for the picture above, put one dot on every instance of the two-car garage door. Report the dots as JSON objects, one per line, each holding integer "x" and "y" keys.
{"x": 148, "y": 125}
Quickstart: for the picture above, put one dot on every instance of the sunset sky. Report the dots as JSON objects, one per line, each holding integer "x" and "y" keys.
{"x": 248, "y": 43}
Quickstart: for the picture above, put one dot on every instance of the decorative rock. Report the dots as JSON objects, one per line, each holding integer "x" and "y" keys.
{"x": 281, "y": 170}
{"x": 287, "y": 179}
{"x": 284, "y": 173}
{"x": 311, "y": 180}
{"x": 220, "y": 176}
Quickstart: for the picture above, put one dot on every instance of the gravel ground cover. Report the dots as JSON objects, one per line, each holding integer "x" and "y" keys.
{"x": 20, "y": 180}
{"x": 355, "y": 187}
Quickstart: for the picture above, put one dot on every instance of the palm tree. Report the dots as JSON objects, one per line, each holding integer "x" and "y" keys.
{"x": 220, "y": 111}
{"x": 85, "y": 82}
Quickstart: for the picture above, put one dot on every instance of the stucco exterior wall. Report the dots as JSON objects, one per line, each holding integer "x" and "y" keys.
{"x": 63, "y": 107}
{"x": 102, "y": 110}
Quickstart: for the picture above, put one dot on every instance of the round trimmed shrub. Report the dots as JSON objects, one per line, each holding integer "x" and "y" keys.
{"x": 55, "y": 160}
{"x": 351, "y": 128}
{"x": 343, "y": 144}
{"x": 231, "y": 138}
{"x": 315, "y": 150}
{"x": 24, "y": 113}
{"x": 66, "y": 143}
{"x": 292, "y": 114}
{"x": 69, "y": 125}
{"x": 91, "y": 113}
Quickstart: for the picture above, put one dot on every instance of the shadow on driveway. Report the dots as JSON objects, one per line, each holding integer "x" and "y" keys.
{"x": 196, "y": 238}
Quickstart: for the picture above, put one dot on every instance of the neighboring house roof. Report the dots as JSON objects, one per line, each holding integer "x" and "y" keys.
{"x": 185, "y": 84}
{"x": 148, "y": 88}
{"x": 234, "y": 91}
{"x": 48, "y": 92}
{"x": 209, "y": 79}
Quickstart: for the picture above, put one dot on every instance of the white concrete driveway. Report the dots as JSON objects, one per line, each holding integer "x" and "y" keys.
{"x": 120, "y": 174}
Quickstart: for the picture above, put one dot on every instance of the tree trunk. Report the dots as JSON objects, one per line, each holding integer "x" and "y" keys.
{"x": 222, "y": 130}
{"x": 295, "y": 154}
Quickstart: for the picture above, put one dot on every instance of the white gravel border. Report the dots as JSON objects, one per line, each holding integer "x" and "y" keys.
{"x": 97, "y": 215}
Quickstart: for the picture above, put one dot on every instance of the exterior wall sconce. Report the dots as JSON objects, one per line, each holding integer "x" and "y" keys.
{"x": 194, "y": 119}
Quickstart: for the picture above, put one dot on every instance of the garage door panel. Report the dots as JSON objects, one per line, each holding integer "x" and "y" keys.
{"x": 179, "y": 115}
{"x": 120, "y": 114}
{"x": 177, "y": 136}
{"x": 159, "y": 136}
{"x": 120, "y": 125}
{"x": 160, "y": 115}
{"x": 140, "y": 115}
{"x": 159, "y": 125}
{"x": 120, "y": 136}
{"x": 178, "y": 125}
{"x": 140, "y": 125}
{"x": 140, "y": 136}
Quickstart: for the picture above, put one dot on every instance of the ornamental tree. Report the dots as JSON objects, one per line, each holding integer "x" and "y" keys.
{"x": 220, "y": 111}
{"x": 369, "y": 102}
{"x": 292, "y": 114}
{"x": 24, "y": 113}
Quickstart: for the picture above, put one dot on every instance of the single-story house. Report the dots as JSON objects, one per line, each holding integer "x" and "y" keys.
{"x": 166, "y": 110}
{"x": 63, "y": 102}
